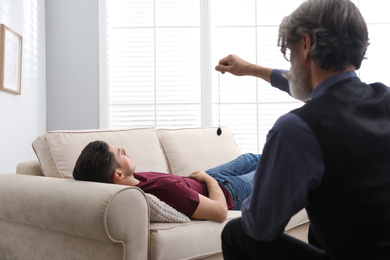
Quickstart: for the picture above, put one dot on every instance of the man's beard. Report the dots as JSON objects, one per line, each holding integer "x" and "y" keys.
{"x": 297, "y": 81}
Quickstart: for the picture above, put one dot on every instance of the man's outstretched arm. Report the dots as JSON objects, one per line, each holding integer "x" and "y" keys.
{"x": 239, "y": 67}
{"x": 213, "y": 207}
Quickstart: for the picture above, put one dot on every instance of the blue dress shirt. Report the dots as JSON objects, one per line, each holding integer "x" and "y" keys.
{"x": 291, "y": 166}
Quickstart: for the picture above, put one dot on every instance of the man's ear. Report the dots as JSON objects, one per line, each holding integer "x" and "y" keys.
{"x": 306, "y": 45}
{"x": 117, "y": 176}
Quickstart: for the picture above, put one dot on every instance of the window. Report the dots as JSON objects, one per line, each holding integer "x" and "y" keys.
{"x": 158, "y": 59}
{"x": 249, "y": 106}
{"x": 154, "y": 74}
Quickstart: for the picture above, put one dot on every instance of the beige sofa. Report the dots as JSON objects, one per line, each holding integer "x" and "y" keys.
{"x": 42, "y": 217}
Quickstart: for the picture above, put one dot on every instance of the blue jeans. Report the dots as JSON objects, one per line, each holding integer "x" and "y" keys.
{"x": 236, "y": 176}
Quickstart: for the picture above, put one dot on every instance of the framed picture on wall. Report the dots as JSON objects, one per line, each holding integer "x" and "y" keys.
{"x": 10, "y": 60}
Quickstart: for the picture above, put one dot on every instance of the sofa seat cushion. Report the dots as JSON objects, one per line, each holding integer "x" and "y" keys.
{"x": 193, "y": 240}
{"x": 57, "y": 151}
{"x": 187, "y": 240}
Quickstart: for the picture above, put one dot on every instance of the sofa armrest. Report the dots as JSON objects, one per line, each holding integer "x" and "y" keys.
{"x": 113, "y": 214}
{"x": 29, "y": 168}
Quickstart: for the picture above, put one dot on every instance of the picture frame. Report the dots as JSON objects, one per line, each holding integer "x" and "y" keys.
{"x": 10, "y": 60}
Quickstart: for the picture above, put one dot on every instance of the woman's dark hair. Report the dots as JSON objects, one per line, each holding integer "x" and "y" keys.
{"x": 337, "y": 29}
{"x": 95, "y": 163}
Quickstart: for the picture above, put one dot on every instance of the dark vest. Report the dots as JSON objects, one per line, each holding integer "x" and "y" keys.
{"x": 350, "y": 210}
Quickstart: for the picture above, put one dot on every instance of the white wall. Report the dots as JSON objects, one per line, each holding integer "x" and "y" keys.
{"x": 72, "y": 64}
{"x": 23, "y": 118}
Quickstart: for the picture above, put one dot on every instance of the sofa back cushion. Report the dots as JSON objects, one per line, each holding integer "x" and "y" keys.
{"x": 58, "y": 151}
{"x": 189, "y": 150}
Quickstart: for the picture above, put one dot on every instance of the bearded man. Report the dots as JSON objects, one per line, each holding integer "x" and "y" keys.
{"x": 331, "y": 156}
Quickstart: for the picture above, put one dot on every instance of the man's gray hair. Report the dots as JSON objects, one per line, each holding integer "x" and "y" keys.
{"x": 337, "y": 29}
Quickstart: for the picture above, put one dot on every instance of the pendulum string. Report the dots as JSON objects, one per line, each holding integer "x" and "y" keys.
{"x": 219, "y": 130}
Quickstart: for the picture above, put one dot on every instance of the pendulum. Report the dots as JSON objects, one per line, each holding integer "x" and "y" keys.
{"x": 219, "y": 130}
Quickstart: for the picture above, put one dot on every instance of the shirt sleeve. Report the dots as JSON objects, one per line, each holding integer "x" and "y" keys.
{"x": 279, "y": 81}
{"x": 291, "y": 165}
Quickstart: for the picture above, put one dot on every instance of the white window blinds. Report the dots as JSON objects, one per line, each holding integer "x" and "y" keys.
{"x": 153, "y": 63}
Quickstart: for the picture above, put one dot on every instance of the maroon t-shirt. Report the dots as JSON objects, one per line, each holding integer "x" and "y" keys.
{"x": 179, "y": 192}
